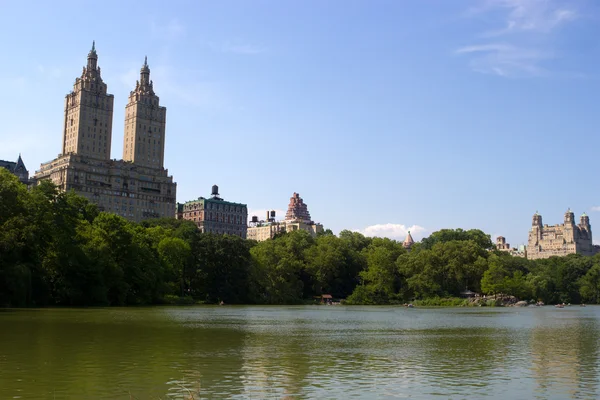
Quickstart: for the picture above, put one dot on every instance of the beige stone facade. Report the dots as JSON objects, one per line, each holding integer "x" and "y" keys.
{"x": 116, "y": 186}
{"x": 267, "y": 230}
{"x": 88, "y": 114}
{"x": 136, "y": 188}
{"x": 145, "y": 122}
{"x": 215, "y": 215}
{"x": 502, "y": 245}
{"x": 560, "y": 240}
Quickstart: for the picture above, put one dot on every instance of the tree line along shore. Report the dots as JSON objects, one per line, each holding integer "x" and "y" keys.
{"x": 57, "y": 249}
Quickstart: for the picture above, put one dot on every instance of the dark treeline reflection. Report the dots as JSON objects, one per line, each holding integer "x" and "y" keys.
{"x": 58, "y": 249}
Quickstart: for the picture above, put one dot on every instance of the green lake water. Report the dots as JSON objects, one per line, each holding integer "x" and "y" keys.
{"x": 325, "y": 352}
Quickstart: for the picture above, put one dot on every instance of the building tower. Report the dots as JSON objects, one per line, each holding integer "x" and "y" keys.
{"x": 88, "y": 114}
{"x": 585, "y": 234}
{"x": 145, "y": 121}
{"x": 535, "y": 234}
{"x": 297, "y": 210}
{"x": 408, "y": 242}
{"x": 570, "y": 234}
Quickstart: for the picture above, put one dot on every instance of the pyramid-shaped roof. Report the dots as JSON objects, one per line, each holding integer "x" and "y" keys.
{"x": 409, "y": 241}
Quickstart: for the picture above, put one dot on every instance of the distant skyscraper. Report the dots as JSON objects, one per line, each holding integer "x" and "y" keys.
{"x": 88, "y": 114}
{"x": 136, "y": 188}
{"x": 145, "y": 121}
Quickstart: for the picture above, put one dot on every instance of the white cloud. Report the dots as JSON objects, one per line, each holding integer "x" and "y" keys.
{"x": 540, "y": 16}
{"x": 526, "y": 29}
{"x": 393, "y": 231}
{"x": 505, "y": 59}
{"x": 596, "y": 208}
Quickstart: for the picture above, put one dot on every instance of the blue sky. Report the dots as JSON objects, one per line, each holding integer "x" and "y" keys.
{"x": 383, "y": 115}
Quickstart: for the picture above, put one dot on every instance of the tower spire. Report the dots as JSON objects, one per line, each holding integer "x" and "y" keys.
{"x": 92, "y": 52}
{"x": 145, "y": 73}
{"x": 92, "y": 58}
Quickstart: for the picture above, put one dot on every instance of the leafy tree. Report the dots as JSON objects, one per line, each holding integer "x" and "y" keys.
{"x": 174, "y": 252}
{"x": 381, "y": 280}
{"x": 278, "y": 273}
{"x": 447, "y": 235}
{"x": 334, "y": 266}
{"x": 590, "y": 284}
{"x": 494, "y": 279}
{"x": 444, "y": 270}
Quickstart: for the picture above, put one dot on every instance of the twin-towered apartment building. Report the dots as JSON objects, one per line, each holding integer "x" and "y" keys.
{"x": 138, "y": 186}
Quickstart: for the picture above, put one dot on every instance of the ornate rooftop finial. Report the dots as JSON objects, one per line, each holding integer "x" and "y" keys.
{"x": 92, "y": 53}
{"x": 145, "y": 69}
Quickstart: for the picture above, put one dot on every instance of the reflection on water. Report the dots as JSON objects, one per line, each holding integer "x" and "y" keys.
{"x": 299, "y": 352}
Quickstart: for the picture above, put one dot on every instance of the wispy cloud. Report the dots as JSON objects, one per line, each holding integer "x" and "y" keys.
{"x": 541, "y": 16}
{"x": 393, "y": 231}
{"x": 522, "y": 38}
{"x": 596, "y": 208}
{"x": 505, "y": 59}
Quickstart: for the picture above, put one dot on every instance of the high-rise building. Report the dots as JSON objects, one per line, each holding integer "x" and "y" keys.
{"x": 145, "y": 122}
{"x": 136, "y": 188}
{"x": 559, "y": 240}
{"x": 88, "y": 114}
{"x": 215, "y": 215}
